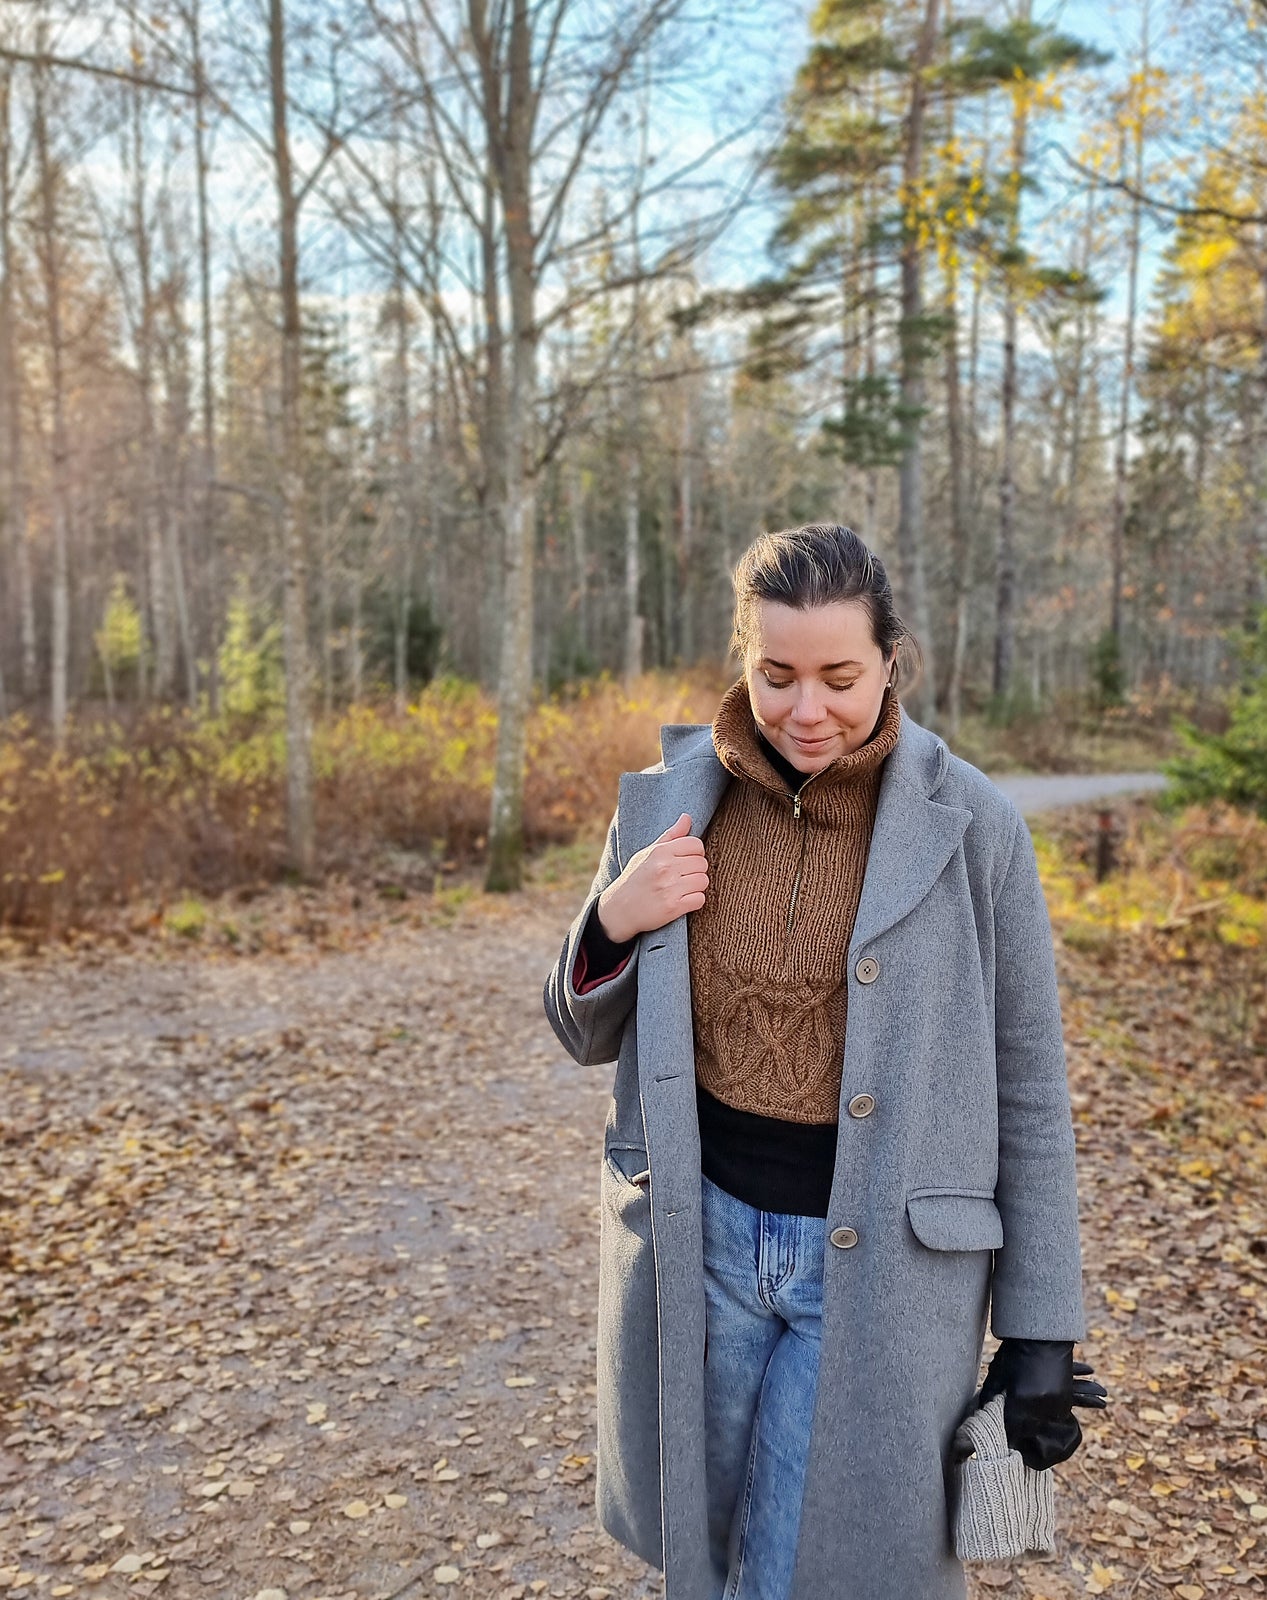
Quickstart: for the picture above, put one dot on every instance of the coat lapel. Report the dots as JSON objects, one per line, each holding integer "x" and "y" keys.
{"x": 692, "y": 779}
{"x": 913, "y": 838}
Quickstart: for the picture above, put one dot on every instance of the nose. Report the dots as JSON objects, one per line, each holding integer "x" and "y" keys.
{"x": 809, "y": 708}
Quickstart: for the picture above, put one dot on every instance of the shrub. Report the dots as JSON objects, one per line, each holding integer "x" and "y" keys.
{"x": 1229, "y": 766}
{"x": 177, "y": 805}
{"x": 249, "y": 661}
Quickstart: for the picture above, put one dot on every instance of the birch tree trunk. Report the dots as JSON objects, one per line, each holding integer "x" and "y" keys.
{"x": 514, "y": 687}
{"x": 1117, "y": 546}
{"x": 631, "y": 664}
{"x": 960, "y": 515}
{"x": 1005, "y": 565}
{"x": 406, "y": 497}
{"x": 635, "y": 626}
{"x": 15, "y": 543}
{"x": 213, "y": 583}
{"x": 299, "y": 796}
{"x": 48, "y": 250}
{"x": 912, "y": 335}
{"x": 356, "y": 668}
{"x": 157, "y": 570}
{"x": 1082, "y": 343}
{"x": 686, "y": 529}
{"x": 580, "y": 553}
{"x": 1256, "y": 577}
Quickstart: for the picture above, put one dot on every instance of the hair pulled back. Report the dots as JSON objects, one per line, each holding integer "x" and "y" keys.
{"x": 816, "y": 565}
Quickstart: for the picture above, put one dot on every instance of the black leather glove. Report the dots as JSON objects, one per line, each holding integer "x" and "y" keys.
{"x": 1041, "y": 1383}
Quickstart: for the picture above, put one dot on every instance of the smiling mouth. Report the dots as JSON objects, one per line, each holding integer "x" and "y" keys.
{"x": 810, "y": 744}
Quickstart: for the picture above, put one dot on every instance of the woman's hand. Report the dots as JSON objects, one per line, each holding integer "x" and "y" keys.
{"x": 660, "y": 882}
{"x": 1041, "y": 1383}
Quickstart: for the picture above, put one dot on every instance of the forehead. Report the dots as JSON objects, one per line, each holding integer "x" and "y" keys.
{"x": 812, "y": 637}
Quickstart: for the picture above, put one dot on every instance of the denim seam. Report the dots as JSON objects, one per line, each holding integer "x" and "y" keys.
{"x": 750, "y": 1475}
{"x": 769, "y": 1284}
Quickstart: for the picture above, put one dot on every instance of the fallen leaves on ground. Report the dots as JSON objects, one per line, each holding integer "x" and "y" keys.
{"x": 300, "y": 1255}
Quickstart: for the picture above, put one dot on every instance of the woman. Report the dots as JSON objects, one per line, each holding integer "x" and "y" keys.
{"x": 817, "y": 948}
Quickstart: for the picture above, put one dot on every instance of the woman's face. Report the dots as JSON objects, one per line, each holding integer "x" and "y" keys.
{"x": 815, "y": 679}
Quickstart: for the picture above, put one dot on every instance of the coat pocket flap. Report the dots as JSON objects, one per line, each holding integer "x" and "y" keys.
{"x": 947, "y": 1221}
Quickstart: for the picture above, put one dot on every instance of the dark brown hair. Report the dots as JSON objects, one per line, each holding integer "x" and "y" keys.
{"x": 816, "y": 565}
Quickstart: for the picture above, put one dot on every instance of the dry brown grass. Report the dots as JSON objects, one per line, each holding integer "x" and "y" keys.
{"x": 172, "y": 805}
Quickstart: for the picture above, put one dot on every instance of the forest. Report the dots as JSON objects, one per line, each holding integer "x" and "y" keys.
{"x": 388, "y": 389}
{"x": 354, "y": 348}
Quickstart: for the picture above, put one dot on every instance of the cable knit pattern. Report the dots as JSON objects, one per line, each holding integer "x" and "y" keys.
{"x": 770, "y": 1001}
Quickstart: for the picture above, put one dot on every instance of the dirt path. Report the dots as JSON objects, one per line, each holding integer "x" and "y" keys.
{"x": 300, "y": 1252}
{"x": 283, "y": 1228}
{"x": 1042, "y": 791}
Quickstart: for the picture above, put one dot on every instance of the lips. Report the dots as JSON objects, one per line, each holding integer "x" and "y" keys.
{"x": 811, "y": 744}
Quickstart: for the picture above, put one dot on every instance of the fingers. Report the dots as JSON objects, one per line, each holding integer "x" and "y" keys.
{"x": 679, "y": 836}
{"x": 677, "y": 830}
{"x": 1086, "y": 1392}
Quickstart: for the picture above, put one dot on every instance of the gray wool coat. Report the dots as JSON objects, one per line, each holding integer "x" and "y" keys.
{"x": 960, "y": 1184}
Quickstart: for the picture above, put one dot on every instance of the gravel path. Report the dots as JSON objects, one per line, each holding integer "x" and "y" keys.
{"x": 300, "y": 1251}
{"x": 1035, "y": 792}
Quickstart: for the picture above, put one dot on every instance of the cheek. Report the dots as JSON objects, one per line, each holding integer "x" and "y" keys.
{"x": 765, "y": 705}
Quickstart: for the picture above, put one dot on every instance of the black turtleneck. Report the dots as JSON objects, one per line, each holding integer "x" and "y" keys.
{"x": 791, "y": 775}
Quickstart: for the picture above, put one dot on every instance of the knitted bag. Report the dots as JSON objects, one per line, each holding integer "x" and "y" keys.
{"x": 1004, "y": 1508}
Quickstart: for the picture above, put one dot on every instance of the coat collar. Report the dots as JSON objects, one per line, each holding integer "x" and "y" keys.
{"x": 913, "y": 838}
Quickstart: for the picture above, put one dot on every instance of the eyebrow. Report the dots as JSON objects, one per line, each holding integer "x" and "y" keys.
{"x": 832, "y": 666}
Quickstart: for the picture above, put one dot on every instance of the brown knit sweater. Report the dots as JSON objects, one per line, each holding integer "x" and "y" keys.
{"x": 768, "y": 947}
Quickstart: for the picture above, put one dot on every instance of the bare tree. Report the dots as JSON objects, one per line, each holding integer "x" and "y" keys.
{"x": 210, "y": 550}
{"x": 1005, "y": 570}
{"x": 15, "y": 545}
{"x": 912, "y": 337}
{"x": 300, "y": 824}
{"x": 1132, "y": 131}
{"x": 509, "y": 106}
{"x": 49, "y": 250}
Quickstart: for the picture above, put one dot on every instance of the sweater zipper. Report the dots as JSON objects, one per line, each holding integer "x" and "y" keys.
{"x": 800, "y": 866}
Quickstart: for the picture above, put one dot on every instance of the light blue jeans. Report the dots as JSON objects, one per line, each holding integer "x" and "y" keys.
{"x": 763, "y": 1285}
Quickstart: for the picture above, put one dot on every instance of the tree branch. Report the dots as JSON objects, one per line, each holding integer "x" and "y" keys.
{"x": 138, "y": 80}
{"x": 1188, "y": 213}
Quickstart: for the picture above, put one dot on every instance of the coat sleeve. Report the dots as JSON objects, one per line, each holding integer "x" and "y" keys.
{"x": 589, "y": 1020}
{"x": 1037, "y": 1284}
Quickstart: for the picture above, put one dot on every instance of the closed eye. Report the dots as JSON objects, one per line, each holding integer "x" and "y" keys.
{"x": 788, "y": 683}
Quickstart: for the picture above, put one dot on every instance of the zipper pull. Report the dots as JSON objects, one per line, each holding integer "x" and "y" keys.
{"x": 796, "y": 805}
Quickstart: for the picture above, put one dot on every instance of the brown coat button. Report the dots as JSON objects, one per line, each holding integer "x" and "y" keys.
{"x": 844, "y": 1238}
{"x": 867, "y": 970}
{"x": 862, "y": 1105}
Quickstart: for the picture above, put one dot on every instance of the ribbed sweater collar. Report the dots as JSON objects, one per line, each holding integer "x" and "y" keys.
{"x": 742, "y": 750}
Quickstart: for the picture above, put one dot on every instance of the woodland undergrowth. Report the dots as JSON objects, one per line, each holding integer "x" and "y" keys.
{"x": 170, "y": 808}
